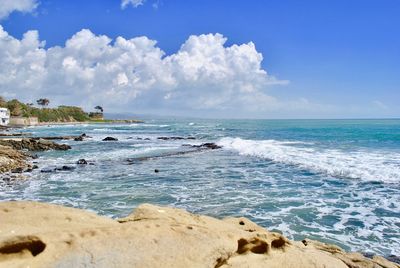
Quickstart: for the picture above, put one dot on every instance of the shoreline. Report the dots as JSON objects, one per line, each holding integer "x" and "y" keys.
{"x": 48, "y": 235}
{"x": 134, "y": 160}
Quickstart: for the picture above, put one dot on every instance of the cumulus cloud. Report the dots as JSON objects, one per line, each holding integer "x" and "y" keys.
{"x": 129, "y": 73}
{"x": 134, "y": 3}
{"x": 9, "y": 6}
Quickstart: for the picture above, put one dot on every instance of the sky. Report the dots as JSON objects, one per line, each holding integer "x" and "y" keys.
{"x": 218, "y": 59}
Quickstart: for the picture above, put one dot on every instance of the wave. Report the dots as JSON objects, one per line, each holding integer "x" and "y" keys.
{"x": 365, "y": 165}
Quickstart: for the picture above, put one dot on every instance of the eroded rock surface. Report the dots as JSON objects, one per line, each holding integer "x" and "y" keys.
{"x": 12, "y": 160}
{"x": 31, "y": 144}
{"x": 45, "y": 235}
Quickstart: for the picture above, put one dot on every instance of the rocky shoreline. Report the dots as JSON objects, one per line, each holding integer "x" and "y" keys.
{"x": 45, "y": 235}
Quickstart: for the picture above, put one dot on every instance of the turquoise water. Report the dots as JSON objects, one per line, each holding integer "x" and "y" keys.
{"x": 333, "y": 180}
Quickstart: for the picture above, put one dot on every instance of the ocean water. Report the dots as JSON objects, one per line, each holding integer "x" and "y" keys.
{"x": 337, "y": 181}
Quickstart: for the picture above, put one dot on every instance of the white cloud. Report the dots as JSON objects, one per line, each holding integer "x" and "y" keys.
{"x": 9, "y": 6}
{"x": 130, "y": 73}
{"x": 134, "y": 3}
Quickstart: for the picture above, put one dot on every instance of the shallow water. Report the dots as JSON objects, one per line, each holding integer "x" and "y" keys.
{"x": 333, "y": 180}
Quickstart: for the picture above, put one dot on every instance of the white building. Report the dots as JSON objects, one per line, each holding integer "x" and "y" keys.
{"x": 4, "y": 116}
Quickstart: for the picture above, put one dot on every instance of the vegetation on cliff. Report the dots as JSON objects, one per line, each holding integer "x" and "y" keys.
{"x": 59, "y": 114}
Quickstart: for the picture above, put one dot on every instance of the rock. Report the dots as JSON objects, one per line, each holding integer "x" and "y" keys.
{"x": 76, "y": 138}
{"x": 65, "y": 168}
{"x": 156, "y": 171}
{"x": 82, "y": 162}
{"x": 33, "y": 144}
{"x": 12, "y": 160}
{"x": 176, "y": 138}
{"x": 48, "y": 170}
{"x": 47, "y": 235}
{"x": 208, "y": 145}
{"x": 110, "y": 139}
{"x": 17, "y": 170}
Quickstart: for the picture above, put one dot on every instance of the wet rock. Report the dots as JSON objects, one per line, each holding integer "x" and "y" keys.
{"x": 34, "y": 144}
{"x": 48, "y": 170}
{"x": 76, "y": 138}
{"x": 82, "y": 162}
{"x": 110, "y": 139}
{"x": 35, "y": 167}
{"x": 176, "y": 138}
{"x": 394, "y": 258}
{"x": 156, "y": 171}
{"x": 208, "y": 145}
{"x": 65, "y": 168}
{"x": 17, "y": 170}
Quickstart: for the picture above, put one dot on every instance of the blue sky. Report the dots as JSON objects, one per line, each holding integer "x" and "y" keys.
{"x": 324, "y": 59}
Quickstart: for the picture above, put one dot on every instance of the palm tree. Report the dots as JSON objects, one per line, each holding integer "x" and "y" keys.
{"x": 43, "y": 102}
{"x": 99, "y": 108}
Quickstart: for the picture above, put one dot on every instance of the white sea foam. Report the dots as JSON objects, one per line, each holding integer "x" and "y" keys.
{"x": 365, "y": 165}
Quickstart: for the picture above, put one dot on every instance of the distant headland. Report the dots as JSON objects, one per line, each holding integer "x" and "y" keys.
{"x": 27, "y": 114}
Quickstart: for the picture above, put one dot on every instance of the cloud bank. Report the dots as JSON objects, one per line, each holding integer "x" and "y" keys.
{"x": 130, "y": 73}
{"x": 9, "y": 6}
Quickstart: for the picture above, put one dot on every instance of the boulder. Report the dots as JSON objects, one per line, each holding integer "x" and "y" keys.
{"x": 110, "y": 139}
{"x": 82, "y": 162}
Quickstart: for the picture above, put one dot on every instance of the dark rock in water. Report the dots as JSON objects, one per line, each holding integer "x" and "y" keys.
{"x": 146, "y": 139}
{"x": 65, "y": 168}
{"x": 34, "y": 156}
{"x": 110, "y": 139}
{"x": 80, "y": 138}
{"x": 176, "y": 138}
{"x": 48, "y": 170}
{"x": 82, "y": 162}
{"x": 368, "y": 255}
{"x": 54, "y": 169}
{"x": 393, "y": 258}
{"x": 84, "y": 135}
{"x": 208, "y": 145}
{"x": 17, "y": 170}
{"x": 156, "y": 171}
{"x": 35, "y": 167}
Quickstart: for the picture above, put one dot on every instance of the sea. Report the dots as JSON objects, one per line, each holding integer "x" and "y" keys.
{"x": 337, "y": 181}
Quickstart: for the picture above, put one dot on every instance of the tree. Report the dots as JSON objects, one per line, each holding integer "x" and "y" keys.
{"x": 99, "y": 108}
{"x": 43, "y": 102}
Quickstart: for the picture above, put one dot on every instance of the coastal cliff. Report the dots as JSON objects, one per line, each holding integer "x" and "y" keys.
{"x": 46, "y": 235}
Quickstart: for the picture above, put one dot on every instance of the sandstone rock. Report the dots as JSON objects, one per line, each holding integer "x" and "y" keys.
{"x": 11, "y": 159}
{"x": 46, "y": 235}
{"x": 33, "y": 144}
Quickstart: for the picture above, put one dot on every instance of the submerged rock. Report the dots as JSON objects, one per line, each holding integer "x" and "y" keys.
{"x": 65, "y": 168}
{"x": 208, "y": 145}
{"x": 176, "y": 138}
{"x": 55, "y": 169}
{"x": 110, "y": 139}
{"x": 47, "y": 235}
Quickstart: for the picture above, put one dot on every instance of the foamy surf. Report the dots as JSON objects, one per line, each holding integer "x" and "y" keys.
{"x": 370, "y": 166}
